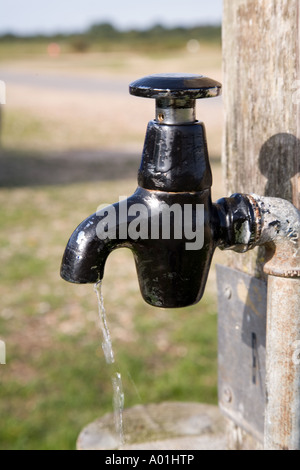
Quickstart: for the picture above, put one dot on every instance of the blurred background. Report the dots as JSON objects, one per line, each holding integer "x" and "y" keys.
{"x": 71, "y": 138}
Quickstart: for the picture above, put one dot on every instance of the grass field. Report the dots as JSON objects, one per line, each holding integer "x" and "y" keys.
{"x": 62, "y": 154}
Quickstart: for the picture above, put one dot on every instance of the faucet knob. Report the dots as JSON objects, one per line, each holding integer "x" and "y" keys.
{"x": 175, "y": 94}
{"x": 175, "y": 85}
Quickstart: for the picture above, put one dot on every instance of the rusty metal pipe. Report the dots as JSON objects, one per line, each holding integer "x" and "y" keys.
{"x": 280, "y": 234}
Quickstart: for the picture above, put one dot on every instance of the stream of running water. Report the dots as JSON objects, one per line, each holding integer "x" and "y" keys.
{"x": 118, "y": 394}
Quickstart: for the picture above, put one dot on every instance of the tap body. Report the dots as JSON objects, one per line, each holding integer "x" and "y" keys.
{"x": 172, "y": 204}
{"x": 170, "y": 223}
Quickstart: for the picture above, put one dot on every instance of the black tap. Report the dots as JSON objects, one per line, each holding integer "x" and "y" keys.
{"x": 169, "y": 223}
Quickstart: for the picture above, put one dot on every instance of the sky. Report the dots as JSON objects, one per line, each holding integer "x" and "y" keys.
{"x": 47, "y": 17}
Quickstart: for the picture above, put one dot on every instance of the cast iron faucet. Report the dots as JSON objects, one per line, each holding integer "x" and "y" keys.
{"x": 171, "y": 207}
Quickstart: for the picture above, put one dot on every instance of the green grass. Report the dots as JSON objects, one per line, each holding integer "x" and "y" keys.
{"x": 21, "y": 129}
{"x": 56, "y": 380}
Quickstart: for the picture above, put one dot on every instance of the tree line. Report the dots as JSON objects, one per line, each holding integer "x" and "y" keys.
{"x": 106, "y": 36}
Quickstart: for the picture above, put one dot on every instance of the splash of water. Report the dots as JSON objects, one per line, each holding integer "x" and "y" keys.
{"x": 118, "y": 394}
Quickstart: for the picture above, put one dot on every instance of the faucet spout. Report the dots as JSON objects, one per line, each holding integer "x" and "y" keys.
{"x": 95, "y": 238}
{"x": 86, "y": 254}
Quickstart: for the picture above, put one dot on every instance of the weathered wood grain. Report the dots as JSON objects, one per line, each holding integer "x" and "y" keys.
{"x": 261, "y": 71}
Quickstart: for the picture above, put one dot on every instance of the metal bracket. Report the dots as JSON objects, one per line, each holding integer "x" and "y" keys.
{"x": 242, "y": 308}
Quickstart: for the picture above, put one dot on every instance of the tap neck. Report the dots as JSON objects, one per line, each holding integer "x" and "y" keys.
{"x": 175, "y": 158}
{"x": 175, "y": 111}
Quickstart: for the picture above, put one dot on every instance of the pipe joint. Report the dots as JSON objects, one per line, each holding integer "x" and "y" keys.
{"x": 280, "y": 234}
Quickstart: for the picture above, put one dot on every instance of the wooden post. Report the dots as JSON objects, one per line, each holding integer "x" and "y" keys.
{"x": 261, "y": 90}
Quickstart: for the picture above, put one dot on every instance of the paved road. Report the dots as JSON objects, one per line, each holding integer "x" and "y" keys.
{"x": 78, "y": 83}
{"x": 61, "y": 82}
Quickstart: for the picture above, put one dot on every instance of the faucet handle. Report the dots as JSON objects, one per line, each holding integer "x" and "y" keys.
{"x": 175, "y": 85}
{"x": 175, "y": 94}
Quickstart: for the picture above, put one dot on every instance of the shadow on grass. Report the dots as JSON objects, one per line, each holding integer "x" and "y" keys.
{"x": 25, "y": 168}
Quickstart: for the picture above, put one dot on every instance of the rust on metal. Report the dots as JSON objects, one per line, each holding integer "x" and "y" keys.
{"x": 257, "y": 218}
{"x": 280, "y": 234}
